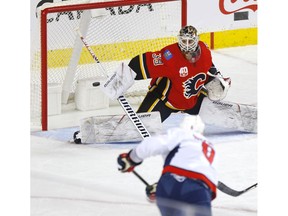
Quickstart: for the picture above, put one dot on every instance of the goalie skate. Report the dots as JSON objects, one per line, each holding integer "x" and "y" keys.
{"x": 117, "y": 128}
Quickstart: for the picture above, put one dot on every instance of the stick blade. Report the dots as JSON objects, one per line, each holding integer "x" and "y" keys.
{"x": 225, "y": 189}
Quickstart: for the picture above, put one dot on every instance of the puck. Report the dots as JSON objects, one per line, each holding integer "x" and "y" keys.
{"x": 96, "y": 84}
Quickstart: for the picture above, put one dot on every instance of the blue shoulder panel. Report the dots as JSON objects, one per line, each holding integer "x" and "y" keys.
{"x": 167, "y": 54}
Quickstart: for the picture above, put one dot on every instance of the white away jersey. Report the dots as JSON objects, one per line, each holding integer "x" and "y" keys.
{"x": 182, "y": 149}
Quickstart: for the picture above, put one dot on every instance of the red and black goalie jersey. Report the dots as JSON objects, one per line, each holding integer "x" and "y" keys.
{"x": 177, "y": 80}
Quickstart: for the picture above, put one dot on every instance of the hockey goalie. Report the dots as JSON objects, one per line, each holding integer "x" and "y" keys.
{"x": 183, "y": 79}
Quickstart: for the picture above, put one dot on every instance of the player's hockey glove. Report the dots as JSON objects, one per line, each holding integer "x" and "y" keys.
{"x": 151, "y": 192}
{"x": 125, "y": 163}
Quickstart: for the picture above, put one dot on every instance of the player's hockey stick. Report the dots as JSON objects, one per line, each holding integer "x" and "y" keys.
{"x": 221, "y": 186}
{"x": 140, "y": 177}
{"x": 122, "y": 100}
{"x": 225, "y": 189}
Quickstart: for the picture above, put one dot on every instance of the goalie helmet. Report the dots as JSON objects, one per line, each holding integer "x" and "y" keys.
{"x": 193, "y": 122}
{"x": 188, "y": 43}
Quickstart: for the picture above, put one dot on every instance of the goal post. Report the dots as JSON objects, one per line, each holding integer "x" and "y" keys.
{"x": 115, "y": 30}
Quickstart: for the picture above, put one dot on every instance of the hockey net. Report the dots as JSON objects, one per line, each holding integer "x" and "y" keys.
{"x": 115, "y": 30}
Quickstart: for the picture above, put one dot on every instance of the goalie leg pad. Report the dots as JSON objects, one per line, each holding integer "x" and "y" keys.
{"x": 242, "y": 117}
{"x": 117, "y": 128}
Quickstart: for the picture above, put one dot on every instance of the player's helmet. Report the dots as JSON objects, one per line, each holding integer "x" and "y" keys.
{"x": 193, "y": 122}
{"x": 188, "y": 43}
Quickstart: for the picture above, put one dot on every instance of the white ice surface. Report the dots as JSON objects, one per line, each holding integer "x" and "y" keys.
{"x": 82, "y": 180}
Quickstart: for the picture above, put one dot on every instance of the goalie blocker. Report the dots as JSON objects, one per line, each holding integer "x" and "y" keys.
{"x": 117, "y": 84}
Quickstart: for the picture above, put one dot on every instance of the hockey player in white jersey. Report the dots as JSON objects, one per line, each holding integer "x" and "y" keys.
{"x": 189, "y": 178}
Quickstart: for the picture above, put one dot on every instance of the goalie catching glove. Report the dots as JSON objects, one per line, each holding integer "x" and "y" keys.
{"x": 117, "y": 84}
{"x": 125, "y": 163}
{"x": 217, "y": 88}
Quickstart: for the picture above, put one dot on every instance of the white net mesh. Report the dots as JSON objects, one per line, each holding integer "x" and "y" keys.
{"x": 115, "y": 34}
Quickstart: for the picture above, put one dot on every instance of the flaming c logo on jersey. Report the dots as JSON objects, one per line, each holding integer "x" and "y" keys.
{"x": 193, "y": 85}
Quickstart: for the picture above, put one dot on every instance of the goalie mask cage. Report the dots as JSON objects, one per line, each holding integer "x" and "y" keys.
{"x": 115, "y": 30}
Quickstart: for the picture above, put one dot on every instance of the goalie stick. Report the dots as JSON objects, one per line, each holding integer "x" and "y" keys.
{"x": 221, "y": 186}
{"x": 122, "y": 100}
